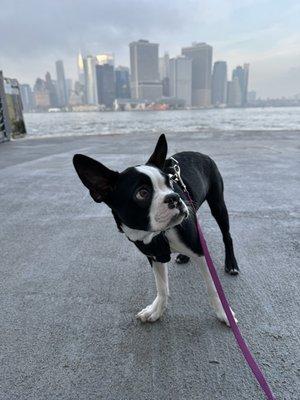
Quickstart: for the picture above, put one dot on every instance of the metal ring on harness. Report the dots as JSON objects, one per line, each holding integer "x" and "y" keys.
{"x": 177, "y": 175}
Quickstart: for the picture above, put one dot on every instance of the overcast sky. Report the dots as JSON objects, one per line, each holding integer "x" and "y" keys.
{"x": 265, "y": 33}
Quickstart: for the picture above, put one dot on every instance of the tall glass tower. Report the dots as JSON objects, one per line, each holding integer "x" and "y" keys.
{"x": 219, "y": 83}
{"x": 201, "y": 56}
{"x": 89, "y": 64}
{"x": 61, "y": 84}
{"x": 145, "y": 81}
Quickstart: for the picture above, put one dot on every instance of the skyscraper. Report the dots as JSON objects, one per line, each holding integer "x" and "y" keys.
{"x": 242, "y": 74}
{"x": 164, "y": 66}
{"x": 122, "y": 83}
{"x": 105, "y": 58}
{"x": 41, "y": 95}
{"x": 61, "y": 84}
{"x": 69, "y": 86}
{"x": 164, "y": 73}
{"x": 234, "y": 94}
{"x": 166, "y": 87}
{"x": 89, "y": 64}
{"x": 219, "y": 83}
{"x": 181, "y": 79}
{"x": 246, "y": 82}
{"x": 53, "y": 98}
{"x": 201, "y": 56}
{"x": 105, "y": 76}
{"x": 145, "y": 82}
{"x": 80, "y": 68}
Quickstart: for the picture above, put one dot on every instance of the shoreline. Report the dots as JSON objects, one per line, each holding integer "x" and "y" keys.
{"x": 187, "y": 122}
{"x": 163, "y": 111}
{"x": 207, "y": 131}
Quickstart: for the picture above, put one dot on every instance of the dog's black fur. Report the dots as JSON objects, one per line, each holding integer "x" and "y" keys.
{"x": 118, "y": 190}
{"x": 204, "y": 182}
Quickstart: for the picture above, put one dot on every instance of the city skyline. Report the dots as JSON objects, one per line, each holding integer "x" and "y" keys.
{"x": 188, "y": 80}
{"x": 263, "y": 33}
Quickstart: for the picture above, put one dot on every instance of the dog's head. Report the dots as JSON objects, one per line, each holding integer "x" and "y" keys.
{"x": 142, "y": 196}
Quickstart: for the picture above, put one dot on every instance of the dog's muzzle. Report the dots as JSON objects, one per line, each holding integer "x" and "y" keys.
{"x": 172, "y": 200}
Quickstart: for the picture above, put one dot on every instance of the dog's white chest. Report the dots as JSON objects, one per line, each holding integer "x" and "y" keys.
{"x": 176, "y": 245}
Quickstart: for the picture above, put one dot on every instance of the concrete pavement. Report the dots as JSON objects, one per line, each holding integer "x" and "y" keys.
{"x": 71, "y": 284}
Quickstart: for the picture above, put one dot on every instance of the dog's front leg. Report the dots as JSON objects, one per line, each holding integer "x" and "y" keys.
{"x": 155, "y": 310}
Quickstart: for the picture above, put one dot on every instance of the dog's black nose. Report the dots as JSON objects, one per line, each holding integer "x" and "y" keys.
{"x": 172, "y": 200}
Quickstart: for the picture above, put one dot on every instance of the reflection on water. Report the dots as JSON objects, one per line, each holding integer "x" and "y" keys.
{"x": 91, "y": 123}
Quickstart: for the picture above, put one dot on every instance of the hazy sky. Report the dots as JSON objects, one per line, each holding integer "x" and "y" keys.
{"x": 265, "y": 33}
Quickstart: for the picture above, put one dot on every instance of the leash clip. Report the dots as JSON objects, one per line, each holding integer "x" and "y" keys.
{"x": 177, "y": 175}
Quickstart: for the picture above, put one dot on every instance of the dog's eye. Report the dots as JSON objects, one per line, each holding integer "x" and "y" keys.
{"x": 142, "y": 194}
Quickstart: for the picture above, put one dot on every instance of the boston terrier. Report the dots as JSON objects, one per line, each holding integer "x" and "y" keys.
{"x": 154, "y": 213}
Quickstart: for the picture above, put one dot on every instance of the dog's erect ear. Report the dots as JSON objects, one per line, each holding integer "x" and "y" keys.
{"x": 159, "y": 155}
{"x": 95, "y": 176}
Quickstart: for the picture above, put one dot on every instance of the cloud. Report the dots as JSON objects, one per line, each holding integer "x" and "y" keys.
{"x": 35, "y": 33}
{"x": 32, "y": 27}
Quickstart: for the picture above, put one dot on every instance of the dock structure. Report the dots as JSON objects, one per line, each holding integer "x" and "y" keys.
{"x": 5, "y": 128}
{"x": 11, "y": 109}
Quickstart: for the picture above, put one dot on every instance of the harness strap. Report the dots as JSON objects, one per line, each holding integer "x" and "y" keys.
{"x": 233, "y": 325}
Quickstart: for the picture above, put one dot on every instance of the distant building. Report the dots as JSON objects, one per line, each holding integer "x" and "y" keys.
{"x": 61, "y": 84}
{"x": 245, "y": 89}
{"x": 234, "y": 94}
{"x": 80, "y": 68}
{"x": 201, "y": 56}
{"x": 89, "y": 64}
{"x": 122, "y": 83}
{"x": 105, "y": 58}
{"x": 181, "y": 79}
{"x": 219, "y": 83}
{"x": 242, "y": 74}
{"x": 69, "y": 85}
{"x": 52, "y": 91}
{"x": 164, "y": 73}
{"x": 80, "y": 93}
{"x": 75, "y": 99}
{"x": 27, "y": 98}
{"x": 164, "y": 66}
{"x": 145, "y": 80}
{"x": 41, "y": 95}
{"x": 251, "y": 97}
{"x": 105, "y": 75}
{"x": 130, "y": 104}
{"x": 166, "y": 86}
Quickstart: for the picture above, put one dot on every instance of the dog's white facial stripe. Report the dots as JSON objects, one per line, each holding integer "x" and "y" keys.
{"x": 160, "y": 214}
{"x": 156, "y": 177}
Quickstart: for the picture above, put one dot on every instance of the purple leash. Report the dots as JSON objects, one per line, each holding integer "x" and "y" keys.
{"x": 233, "y": 325}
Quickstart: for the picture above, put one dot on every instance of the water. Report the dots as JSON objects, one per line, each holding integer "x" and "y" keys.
{"x": 93, "y": 123}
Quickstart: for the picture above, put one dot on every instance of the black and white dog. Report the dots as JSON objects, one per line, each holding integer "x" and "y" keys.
{"x": 154, "y": 213}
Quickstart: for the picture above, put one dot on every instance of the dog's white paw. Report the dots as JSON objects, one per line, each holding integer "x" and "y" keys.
{"x": 221, "y": 315}
{"x": 154, "y": 311}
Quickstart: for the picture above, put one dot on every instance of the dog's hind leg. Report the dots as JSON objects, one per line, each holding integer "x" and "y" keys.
{"x": 212, "y": 292}
{"x": 182, "y": 259}
{"x": 215, "y": 199}
{"x": 177, "y": 244}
